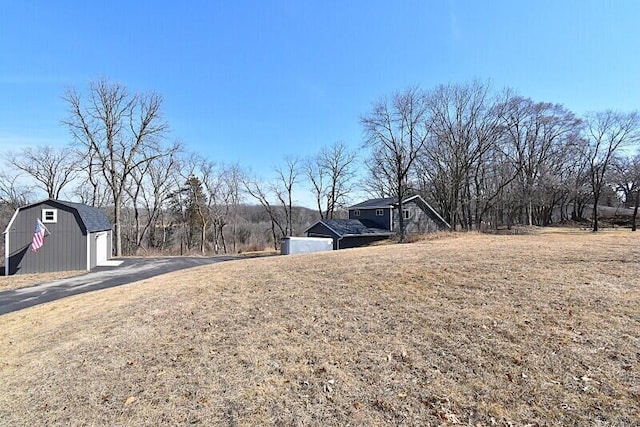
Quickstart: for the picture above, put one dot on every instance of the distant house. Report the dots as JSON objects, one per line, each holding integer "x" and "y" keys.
{"x": 77, "y": 237}
{"x": 378, "y": 219}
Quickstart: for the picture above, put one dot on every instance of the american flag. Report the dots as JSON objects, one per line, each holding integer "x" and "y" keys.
{"x": 38, "y": 236}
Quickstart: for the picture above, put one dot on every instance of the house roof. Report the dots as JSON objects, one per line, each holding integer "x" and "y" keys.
{"x": 354, "y": 227}
{"x": 386, "y": 202}
{"x": 93, "y": 219}
{"x": 390, "y": 202}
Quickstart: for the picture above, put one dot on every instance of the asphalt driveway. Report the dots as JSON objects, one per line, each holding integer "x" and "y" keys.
{"x": 131, "y": 270}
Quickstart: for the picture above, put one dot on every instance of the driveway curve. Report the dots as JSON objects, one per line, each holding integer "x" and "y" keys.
{"x": 131, "y": 270}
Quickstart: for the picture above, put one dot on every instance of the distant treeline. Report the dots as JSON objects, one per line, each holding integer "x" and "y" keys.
{"x": 483, "y": 158}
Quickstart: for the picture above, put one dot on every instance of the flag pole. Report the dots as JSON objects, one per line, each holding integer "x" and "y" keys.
{"x": 43, "y": 226}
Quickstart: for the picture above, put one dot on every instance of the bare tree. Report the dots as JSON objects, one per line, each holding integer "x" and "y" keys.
{"x": 607, "y": 132}
{"x": 119, "y": 132}
{"x": 625, "y": 177}
{"x": 331, "y": 174}
{"x": 13, "y": 193}
{"x": 538, "y": 135}
{"x": 231, "y": 177}
{"x": 286, "y": 178}
{"x": 466, "y": 128}
{"x": 218, "y": 199}
{"x": 256, "y": 189}
{"x": 150, "y": 189}
{"x": 91, "y": 188}
{"x": 317, "y": 177}
{"x": 51, "y": 168}
{"x": 396, "y": 131}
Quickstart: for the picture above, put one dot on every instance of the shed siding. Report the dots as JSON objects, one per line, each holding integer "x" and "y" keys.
{"x": 92, "y": 252}
{"x": 109, "y": 244}
{"x": 64, "y": 248}
{"x": 370, "y": 215}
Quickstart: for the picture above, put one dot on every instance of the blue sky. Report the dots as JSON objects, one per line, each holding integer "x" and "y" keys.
{"x": 253, "y": 81}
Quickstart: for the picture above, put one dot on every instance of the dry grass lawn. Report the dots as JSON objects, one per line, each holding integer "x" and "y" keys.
{"x": 23, "y": 280}
{"x": 474, "y": 329}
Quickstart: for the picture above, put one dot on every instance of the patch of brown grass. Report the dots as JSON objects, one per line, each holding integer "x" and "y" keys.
{"x": 24, "y": 280}
{"x": 540, "y": 329}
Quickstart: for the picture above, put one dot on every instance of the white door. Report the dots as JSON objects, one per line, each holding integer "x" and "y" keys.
{"x": 101, "y": 248}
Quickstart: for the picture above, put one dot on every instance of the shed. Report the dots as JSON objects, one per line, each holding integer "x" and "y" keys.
{"x": 304, "y": 245}
{"x": 77, "y": 237}
{"x": 348, "y": 233}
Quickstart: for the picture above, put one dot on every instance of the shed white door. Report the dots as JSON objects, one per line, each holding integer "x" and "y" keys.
{"x": 101, "y": 248}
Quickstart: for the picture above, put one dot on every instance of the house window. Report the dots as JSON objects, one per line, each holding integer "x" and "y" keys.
{"x": 356, "y": 212}
{"x": 49, "y": 215}
{"x": 379, "y": 212}
{"x": 406, "y": 213}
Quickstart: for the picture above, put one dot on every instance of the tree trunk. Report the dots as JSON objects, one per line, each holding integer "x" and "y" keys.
{"x": 635, "y": 211}
{"x": 595, "y": 212}
{"x": 400, "y": 219}
{"x": 273, "y": 232}
{"x": 203, "y": 237}
{"x": 118, "y": 225}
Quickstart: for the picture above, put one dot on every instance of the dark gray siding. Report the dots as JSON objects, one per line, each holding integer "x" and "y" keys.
{"x": 419, "y": 221}
{"x": 370, "y": 215}
{"x": 358, "y": 241}
{"x": 109, "y": 243}
{"x": 320, "y": 230}
{"x": 65, "y": 247}
{"x": 92, "y": 242}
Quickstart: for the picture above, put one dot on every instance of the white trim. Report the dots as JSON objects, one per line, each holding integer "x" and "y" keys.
{"x": 435, "y": 212}
{"x": 54, "y": 214}
{"x": 326, "y": 225}
{"x": 416, "y": 196}
{"x": 15, "y": 214}
{"x": 7, "y": 241}
{"x": 6, "y": 254}
{"x": 88, "y": 251}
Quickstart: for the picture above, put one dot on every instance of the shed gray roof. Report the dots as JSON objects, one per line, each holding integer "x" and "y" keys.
{"x": 94, "y": 219}
{"x": 354, "y": 227}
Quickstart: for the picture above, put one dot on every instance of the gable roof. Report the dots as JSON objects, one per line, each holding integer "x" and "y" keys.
{"x": 392, "y": 202}
{"x": 352, "y": 227}
{"x": 426, "y": 208}
{"x": 385, "y": 202}
{"x": 93, "y": 219}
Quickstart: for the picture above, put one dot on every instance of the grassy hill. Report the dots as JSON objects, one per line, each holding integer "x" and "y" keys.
{"x": 468, "y": 329}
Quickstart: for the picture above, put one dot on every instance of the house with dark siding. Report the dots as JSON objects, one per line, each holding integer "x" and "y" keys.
{"x": 77, "y": 237}
{"x": 378, "y": 219}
